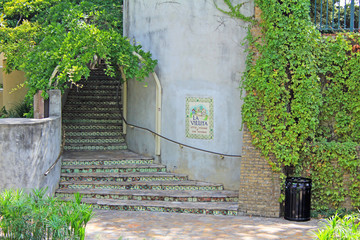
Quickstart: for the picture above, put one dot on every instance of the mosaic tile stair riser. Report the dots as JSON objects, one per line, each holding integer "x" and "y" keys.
{"x": 151, "y": 198}
{"x": 95, "y": 140}
{"x": 94, "y": 148}
{"x": 107, "y": 162}
{"x": 92, "y": 134}
{"x": 122, "y": 179}
{"x": 172, "y": 210}
{"x": 99, "y": 127}
{"x": 114, "y": 170}
{"x": 142, "y": 187}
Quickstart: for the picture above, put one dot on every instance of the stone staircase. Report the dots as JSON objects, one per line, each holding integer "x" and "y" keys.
{"x": 97, "y": 165}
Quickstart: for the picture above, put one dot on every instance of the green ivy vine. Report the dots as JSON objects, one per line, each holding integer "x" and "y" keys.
{"x": 56, "y": 42}
{"x": 302, "y": 103}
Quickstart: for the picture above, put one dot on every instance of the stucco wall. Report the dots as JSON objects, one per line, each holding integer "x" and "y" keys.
{"x": 200, "y": 54}
{"x": 12, "y": 81}
{"x": 1, "y": 98}
{"x": 28, "y": 147}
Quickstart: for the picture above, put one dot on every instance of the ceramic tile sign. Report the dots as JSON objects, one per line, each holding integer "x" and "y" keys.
{"x": 199, "y": 118}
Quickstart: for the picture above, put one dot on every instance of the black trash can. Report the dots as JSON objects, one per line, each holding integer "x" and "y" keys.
{"x": 297, "y": 199}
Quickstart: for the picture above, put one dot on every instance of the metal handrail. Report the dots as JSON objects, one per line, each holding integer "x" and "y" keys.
{"x": 60, "y": 153}
{"x": 222, "y": 155}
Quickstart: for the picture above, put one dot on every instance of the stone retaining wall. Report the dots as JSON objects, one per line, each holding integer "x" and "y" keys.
{"x": 28, "y": 147}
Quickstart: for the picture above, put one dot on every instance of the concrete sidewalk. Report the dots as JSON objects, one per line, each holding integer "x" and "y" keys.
{"x": 114, "y": 225}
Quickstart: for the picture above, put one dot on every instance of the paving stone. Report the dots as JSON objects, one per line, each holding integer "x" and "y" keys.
{"x": 112, "y": 225}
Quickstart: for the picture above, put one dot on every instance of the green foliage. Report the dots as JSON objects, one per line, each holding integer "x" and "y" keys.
{"x": 346, "y": 228}
{"x": 339, "y": 73}
{"x": 56, "y": 42}
{"x": 302, "y": 101}
{"x": 18, "y": 111}
{"x": 333, "y": 167}
{"x": 34, "y": 216}
{"x": 283, "y": 102}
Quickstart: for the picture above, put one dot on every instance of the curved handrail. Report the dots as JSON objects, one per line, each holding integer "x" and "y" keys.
{"x": 60, "y": 153}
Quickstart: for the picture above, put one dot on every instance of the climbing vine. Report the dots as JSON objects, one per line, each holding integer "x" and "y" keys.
{"x": 302, "y": 103}
{"x": 57, "y": 42}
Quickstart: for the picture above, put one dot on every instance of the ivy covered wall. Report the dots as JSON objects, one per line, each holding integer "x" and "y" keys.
{"x": 303, "y": 101}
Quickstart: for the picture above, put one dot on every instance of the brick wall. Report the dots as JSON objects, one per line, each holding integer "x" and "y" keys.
{"x": 259, "y": 186}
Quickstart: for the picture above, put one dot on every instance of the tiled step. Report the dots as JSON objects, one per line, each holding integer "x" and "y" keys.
{"x": 122, "y": 177}
{"x": 100, "y": 75}
{"x": 90, "y": 97}
{"x": 91, "y": 109}
{"x": 107, "y": 162}
{"x": 85, "y": 126}
{"x": 91, "y": 116}
{"x": 112, "y": 169}
{"x": 80, "y": 147}
{"x": 99, "y": 80}
{"x": 97, "y": 103}
{"x": 153, "y": 185}
{"x": 209, "y": 208}
{"x": 153, "y": 195}
{"x": 92, "y": 121}
{"x": 82, "y": 107}
{"x": 124, "y": 157}
{"x": 95, "y": 140}
{"x": 93, "y": 133}
{"x": 99, "y": 87}
{"x": 82, "y": 101}
{"x": 92, "y": 100}
{"x": 95, "y": 92}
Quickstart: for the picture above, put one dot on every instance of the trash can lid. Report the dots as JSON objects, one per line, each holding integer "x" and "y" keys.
{"x": 298, "y": 180}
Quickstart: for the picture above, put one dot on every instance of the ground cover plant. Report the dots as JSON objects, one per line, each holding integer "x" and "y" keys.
{"x": 57, "y": 42}
{"x": 302, "y": 101}
{"x": 36, "y": 216}
{"x": 345, "y": 227}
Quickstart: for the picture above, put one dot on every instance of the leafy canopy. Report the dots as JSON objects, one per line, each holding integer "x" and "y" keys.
{"x": 55, "y": 42}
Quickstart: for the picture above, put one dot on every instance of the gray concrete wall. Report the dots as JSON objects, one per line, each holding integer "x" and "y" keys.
{"x": 28, "y": 147}
{"x": 200, "y": 54}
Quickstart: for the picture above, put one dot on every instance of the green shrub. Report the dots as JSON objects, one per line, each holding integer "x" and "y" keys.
{"x": 18, "y": 111}
{"x": 35, "y": 216}
{"x": 336, "y": 227}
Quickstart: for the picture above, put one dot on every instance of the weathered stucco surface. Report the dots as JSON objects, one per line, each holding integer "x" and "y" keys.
{"x": 200, "y": 54}
{"x": 28, "y": 147}
{"x": 13, "y": 81}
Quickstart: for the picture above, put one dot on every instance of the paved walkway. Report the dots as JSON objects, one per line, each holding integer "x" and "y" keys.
{"x": 117, "y": 225}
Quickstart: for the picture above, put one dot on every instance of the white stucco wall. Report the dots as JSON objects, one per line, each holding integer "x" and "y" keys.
{"x": 200, "y": 54}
